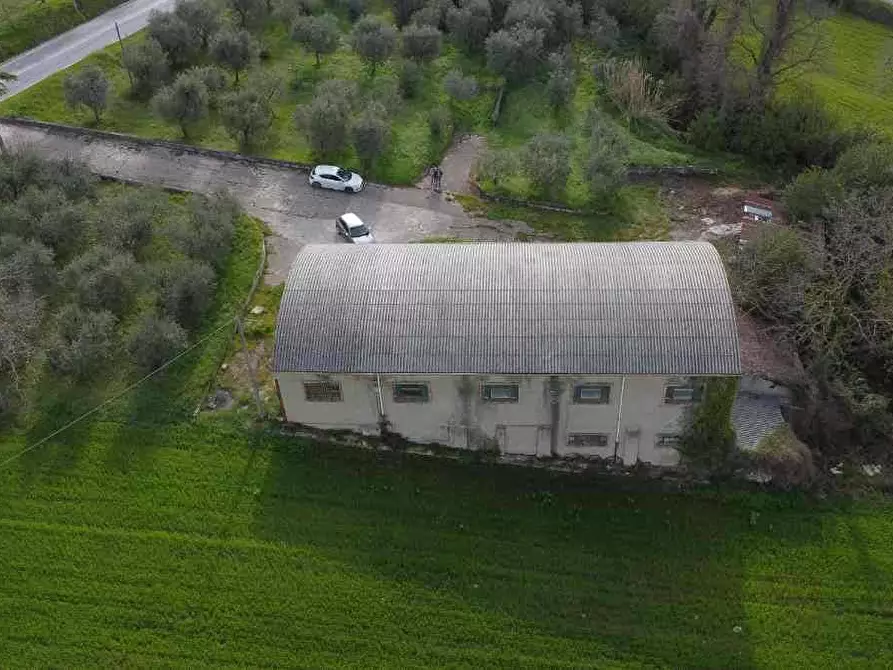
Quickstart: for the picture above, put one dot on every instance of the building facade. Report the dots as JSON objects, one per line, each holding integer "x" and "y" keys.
{"x": 539, "y": 349}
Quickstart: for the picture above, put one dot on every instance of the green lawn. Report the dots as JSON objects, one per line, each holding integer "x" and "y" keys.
{"x": 27, "y": 23}
{"x": 209, "y": 544}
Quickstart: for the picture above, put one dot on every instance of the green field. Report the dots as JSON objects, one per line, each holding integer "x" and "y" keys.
{"x": 27, "y": 23}
{"x": 210, "y": 544}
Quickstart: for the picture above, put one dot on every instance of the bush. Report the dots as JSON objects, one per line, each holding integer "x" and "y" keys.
{"x": 515, "y": 54}
{"x": 371, "y": 134}
{"x": 175, "y": 37}
{"x": 604, "y": 30}
{"x": 608, "y": 157}
{"x": 184, "y": 103}
{"x": 234, "y": 50}
{"x": 84, "y": 342}
{"x": 247, "y": 117}
{"x": 103, "y": 279}
{"x": 154, "y": 341}
{"x": 497, "y": 165}
{"x": 866, "y": 168}
{"x": 470, "y": 24}
{"x": 202, "y": 18}
{"x": 421, "y": 43}
{"x": 708, "y": 439}
{"x": 88, "y": 87}
{"x": 784, "y": 459}
{"x": 811, "y": 194}
{"x": 459, "y": 87}
{"x": 26, "y": 266}
{"x": 411, "y": 79}
{"x": 374, "y": 41}
{"x": 317, "y": 34}
{"x": 547, "y": 163}
{"x": 148, "y": 67}
{"x": 186, "y": 289}
{"x": 562, "y": 80}
{"x": 439, "y": 123}
{"x": 636, "y": 92}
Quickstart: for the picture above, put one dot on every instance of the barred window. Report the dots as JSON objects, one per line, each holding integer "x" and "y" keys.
{"x": 587, "y": 439}
{"x": 682, "y": 393}
{"x": 322, "y": 391}
{"x": 592, "y": 394}
{"x": 668, "y": 440}
{"x": 500, "y": 392}
{"x": 410, "y": 393}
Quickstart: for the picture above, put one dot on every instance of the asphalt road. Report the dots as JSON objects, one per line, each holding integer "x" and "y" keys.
{"x": 281, "y": 197}
{"x": 68, "y": 48}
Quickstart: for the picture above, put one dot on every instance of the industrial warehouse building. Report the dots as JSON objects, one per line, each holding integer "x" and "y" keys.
{"x": 541, "y": 349}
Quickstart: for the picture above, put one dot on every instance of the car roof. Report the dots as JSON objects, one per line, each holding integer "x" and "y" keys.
{"x": 351, "y": 220}
{"x": 327, "y": 169}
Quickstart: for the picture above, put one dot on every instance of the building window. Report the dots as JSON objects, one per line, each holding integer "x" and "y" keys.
{"x": 668, "y": 441}
{"x": 410, "y": 393}
{"x": 678, "y": 394}
{"x": 592, "y": 394}
{"x": 587, "y": 440}
{"x": 322, "y": 391}
{"x": 500, "y": 392}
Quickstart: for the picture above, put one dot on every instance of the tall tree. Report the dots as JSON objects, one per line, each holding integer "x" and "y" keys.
{"x": 234, "y": 50}
{"x": 374, "y": 40}
{"x": 317, "y": 34}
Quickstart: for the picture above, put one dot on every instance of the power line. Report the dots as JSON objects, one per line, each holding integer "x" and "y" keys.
{"x": 117, "y": 397}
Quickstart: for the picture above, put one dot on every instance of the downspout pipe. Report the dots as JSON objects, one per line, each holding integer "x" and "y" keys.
{"x": 382, "y": 419}
{"x": 619, "y": 417}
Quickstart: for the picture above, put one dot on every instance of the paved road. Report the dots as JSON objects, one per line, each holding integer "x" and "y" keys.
{"x": 78, "y": 43}
{"x": 296, "y": 213}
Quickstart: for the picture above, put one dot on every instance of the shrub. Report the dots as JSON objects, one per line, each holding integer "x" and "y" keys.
{"x": 515, "y": 53}
{"x": 708, "y": 439}
{"x": 88, "y": 87}
{"x": 866, "y": 167}
{"x": 470, "y": 23}
{"x": 317, "y": 34}
{"x": 411, "y": 79}
{"x": 247, "y": 116}
{"x": 635, "y": 92}
{"x": 184, "y": 103}
{"x": 154, "y": 341}
{"x": 784, "y": 459}
{"x": 604, "y": 30}
{"x": 175, "y": 37}
{"x": 374, "y": 41}
{"x": 421, "y": 43}
{"x": 497, "y": 165}
{"x": 234, "y": 50}
{"x": 83, "y": 343}
{"x": 371, "y": 134}
{"x": 460, "y": 87}
{"x": 562, "y": 80}
{"x": 811, "y": 194}
{"x": 439, "y": 123}
{"x": 547, "y": 162}
{"x": 186, "y": 289}
{"x": 148, "y": 67}
{"x": 608, "y": 157}
{"x": 26, "y": 266}
{"x": 103, "y": 279}
{"x": 201, "y": 17}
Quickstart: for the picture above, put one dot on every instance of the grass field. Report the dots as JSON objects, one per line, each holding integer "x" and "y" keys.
{"x": 27, "y": 23}
{"x": 209, "y": 544}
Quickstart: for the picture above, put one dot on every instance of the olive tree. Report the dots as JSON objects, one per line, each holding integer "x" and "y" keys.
{"x": 26, "y": 265}
{"x": 103, "y": 278}
{"x": 175, "y": 37}
{"x": 154, "y": 341}
{"x": 371, "y": 134}
{"x": 184, "y": 103}
{"x": 186, "y": 289}
{"x": 497, "y": 165}
{"x": 562, "y": 80}
{"x": 421, "y": 43}
{"x": 251, "y": 14}
{"x": 547, "y": 162}
{"x": 317, "y": 34}
{"x": 234, "y": 50}
{"x": 515, "y": 53}
{"x": 374, "y": 41}
{"x": 202, "y": 18}
{"x": 247, "y": 116}
{"x": 325, "y": 120}
{"x": 207, "y": 234}
{"x": 83, "y": 343}
{"x": 469, "y": 24}
{"x": 87, "y": 87}
{"x": 608, "y": 157}
{"x": 147, "y": 64}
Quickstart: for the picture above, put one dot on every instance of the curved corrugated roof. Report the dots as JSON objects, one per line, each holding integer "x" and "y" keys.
{"x": 660, "y": 308}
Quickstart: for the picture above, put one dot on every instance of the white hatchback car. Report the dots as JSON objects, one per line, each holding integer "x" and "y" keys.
{"x": 336, "y": 178}
{"x": 352, "y": 228}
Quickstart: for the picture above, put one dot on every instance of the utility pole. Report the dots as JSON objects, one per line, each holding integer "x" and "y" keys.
{"x": 121, "y": 42}
{"x": 251, "y": 372}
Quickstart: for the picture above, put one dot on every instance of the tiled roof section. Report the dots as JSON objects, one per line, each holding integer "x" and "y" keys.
{"x": 754, "y": 417}
{"x": 617, "y": 308}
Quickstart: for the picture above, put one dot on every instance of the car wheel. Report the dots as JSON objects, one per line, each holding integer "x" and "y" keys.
{"x": 315, "y": 184}
{"x": 348, "y": 189}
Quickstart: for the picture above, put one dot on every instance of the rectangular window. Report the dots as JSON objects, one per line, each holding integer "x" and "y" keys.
{"x": 682, "y": 393}
{"x": 592, "y": 394}
{"x": 667, "y": 441}
{"x": 410, "y": 393}
{"x": 587, "y": 440}
{"x": 500, "y": 392}
{"x": 322, "y": 391}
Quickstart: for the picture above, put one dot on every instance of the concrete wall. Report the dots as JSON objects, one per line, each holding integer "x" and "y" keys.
{"x": 539, "y": 423}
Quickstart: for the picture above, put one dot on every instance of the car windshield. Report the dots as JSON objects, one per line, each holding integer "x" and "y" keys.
{"x": 344, "y": 174}
{"x": 359, "y": 231}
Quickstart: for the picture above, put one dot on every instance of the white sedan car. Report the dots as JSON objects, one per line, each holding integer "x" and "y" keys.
{"x": 351, "y": 227}
{"x": 336, "y": 178}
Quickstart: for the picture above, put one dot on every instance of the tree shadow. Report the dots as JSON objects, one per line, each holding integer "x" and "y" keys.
{"x": 654, "y": 576}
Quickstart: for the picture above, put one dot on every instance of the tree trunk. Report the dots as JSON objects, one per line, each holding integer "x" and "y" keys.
{"x": 774, "y": 45}
{"x": 317, "y": 59}
{"x": 237, "y": 76}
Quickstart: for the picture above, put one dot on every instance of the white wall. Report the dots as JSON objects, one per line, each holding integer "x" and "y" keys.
{"x": 458, "y": 416}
